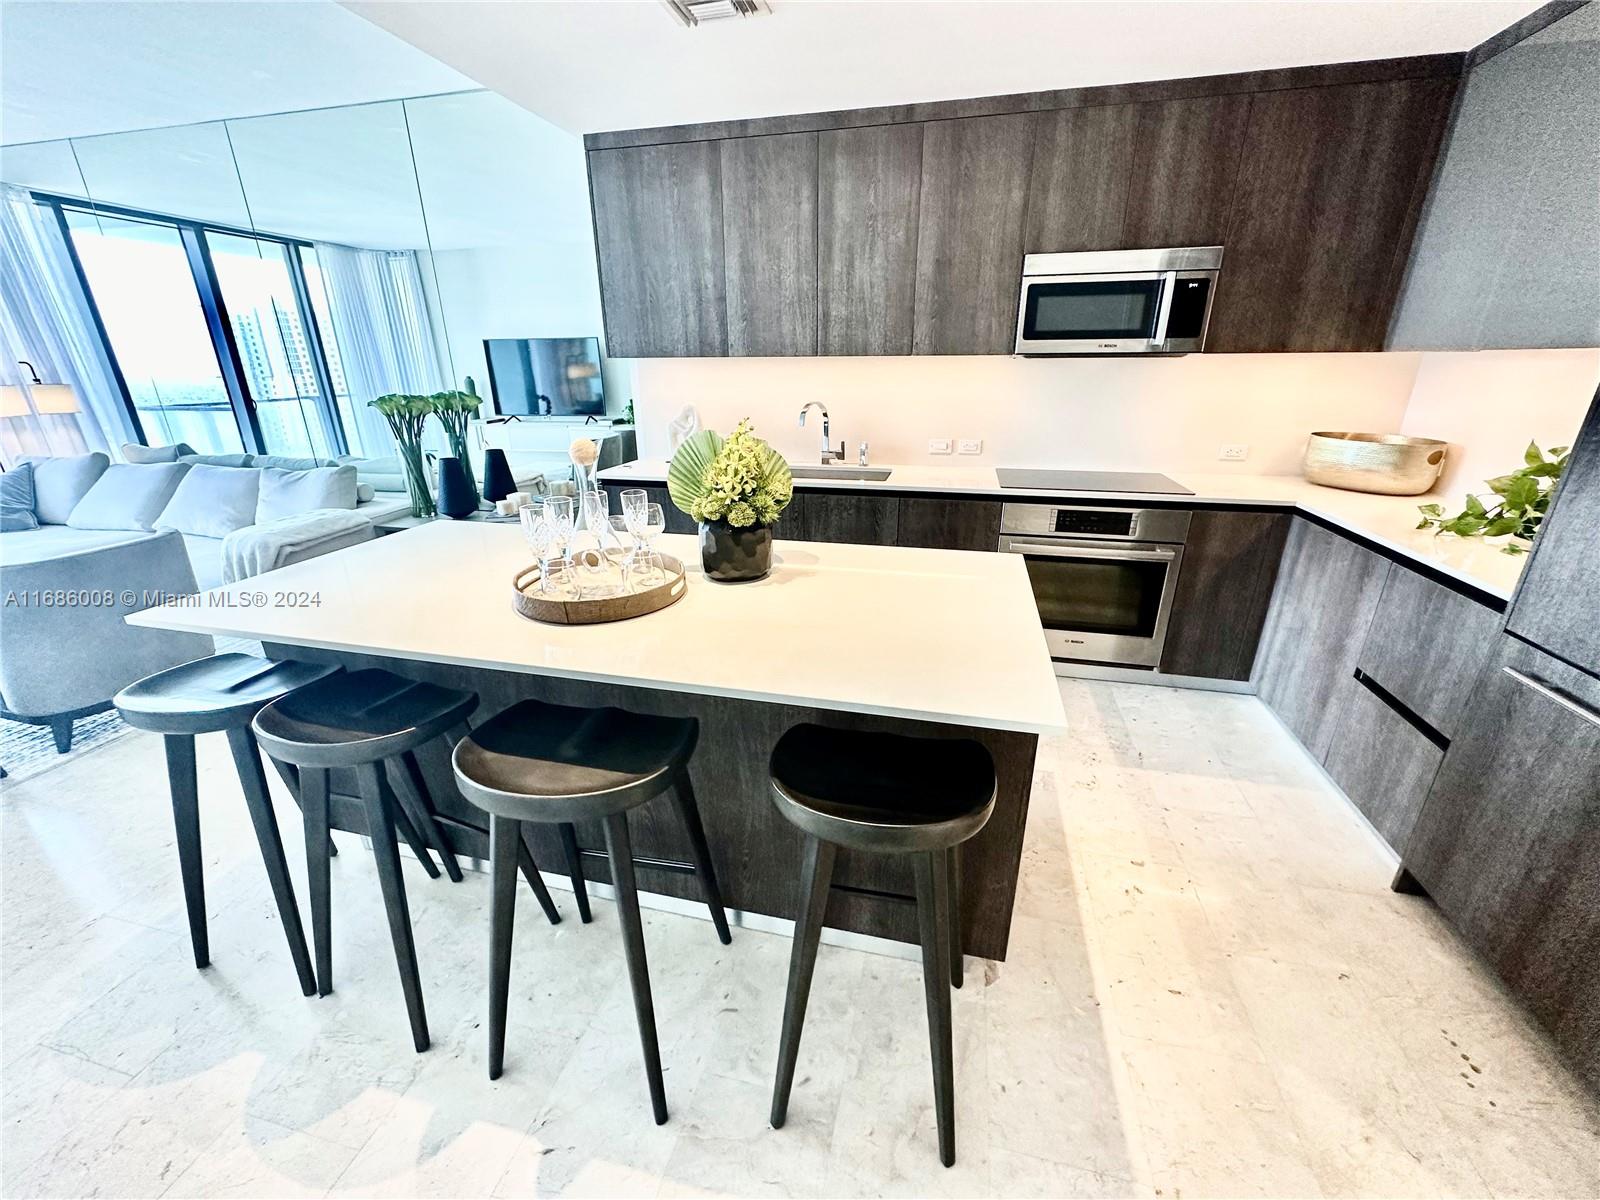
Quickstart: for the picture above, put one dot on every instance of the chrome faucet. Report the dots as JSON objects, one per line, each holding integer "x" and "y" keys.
{"x": 829, "y": 454}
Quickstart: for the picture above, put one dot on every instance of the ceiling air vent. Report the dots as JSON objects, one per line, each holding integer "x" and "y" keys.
{"x": 698, "y": 12}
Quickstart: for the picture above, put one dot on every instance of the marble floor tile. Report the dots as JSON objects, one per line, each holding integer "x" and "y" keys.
{"x": 1210, "y": 991}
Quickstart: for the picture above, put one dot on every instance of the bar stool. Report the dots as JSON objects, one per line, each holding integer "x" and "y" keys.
{"x": 221, "y": 694}
{"x": 882, "y": 793}
{"x": 372, "y": 721}
{"x": 554, "y": 764}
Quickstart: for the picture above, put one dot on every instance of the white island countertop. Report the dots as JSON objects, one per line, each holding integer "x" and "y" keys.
{"x": 936, "y": 635}
{"x": 1389, "y": 521}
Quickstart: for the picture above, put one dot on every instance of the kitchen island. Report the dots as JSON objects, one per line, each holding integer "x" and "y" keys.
{"x": 932, "y": 642}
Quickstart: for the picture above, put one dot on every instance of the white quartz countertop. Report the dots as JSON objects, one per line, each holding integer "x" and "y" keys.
{"x": 938, "y": 635}
{"x": 1389, "y": 521}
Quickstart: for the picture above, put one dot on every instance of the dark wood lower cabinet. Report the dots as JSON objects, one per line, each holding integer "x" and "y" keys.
{"x": 949, "y": 524}
{"x": 1383, "y": 763}
{"x": 1508, "y": 844}
{"x": 1230, "y": 564}
{"x": 843, "y": 517}
{"x": 678, "y": 521}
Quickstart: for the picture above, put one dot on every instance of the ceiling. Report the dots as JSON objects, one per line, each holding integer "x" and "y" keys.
{"x": 624, "y": 64}
{"x": 74, "y": 69}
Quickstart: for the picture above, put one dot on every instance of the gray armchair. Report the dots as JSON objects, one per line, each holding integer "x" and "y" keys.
{"x": 66, "y": 657}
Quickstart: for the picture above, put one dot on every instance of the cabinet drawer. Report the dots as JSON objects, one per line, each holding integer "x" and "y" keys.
{"x": 1426, "y": 646}
{"x": 948, "y": 524}
{"x": 1383, "y": 763}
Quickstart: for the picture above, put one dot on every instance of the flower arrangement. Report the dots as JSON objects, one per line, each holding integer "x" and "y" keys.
{"x": 738, "y": 481}
{"x": 455, "y": 411}
{"x": 406, "y": 416}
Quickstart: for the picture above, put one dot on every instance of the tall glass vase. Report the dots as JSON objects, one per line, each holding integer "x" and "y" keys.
{"x": 416, "y": 479}
{"x": 459, "y": 440}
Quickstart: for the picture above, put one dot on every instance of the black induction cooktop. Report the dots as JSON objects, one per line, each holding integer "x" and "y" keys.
{"x": 1090, "y": 481}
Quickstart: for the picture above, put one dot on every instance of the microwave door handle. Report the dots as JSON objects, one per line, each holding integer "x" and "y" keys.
{"x": 1057, "y": 550}
{"x": 1169, "y": 281}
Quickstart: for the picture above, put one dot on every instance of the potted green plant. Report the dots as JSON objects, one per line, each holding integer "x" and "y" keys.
{"x": 406, "y": 416}
{"x": 455, "y": 411}
{"x": 736, "y": 487}
{"x": 1517, "y": 507}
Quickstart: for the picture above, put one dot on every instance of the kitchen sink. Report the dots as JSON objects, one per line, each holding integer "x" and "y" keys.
{"x": 830, "y": 471}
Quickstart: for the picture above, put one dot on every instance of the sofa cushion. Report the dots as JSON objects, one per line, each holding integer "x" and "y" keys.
{"x": 212, "y": 502}
{"x": 135, "y": 453}
{"x": 284, "y": 463}
{"x": 59, "y": 483}
{"x": 364, "y": 491}
{"x": 60, "y": 541}
{"x": 128, "y": 496}
{"x": 289, "y": 493}
{"x": 216, "y": 460}
{"x": 16, "y": 499}
{"x": 383, "y": 474}
{"x": 205, "y": 556}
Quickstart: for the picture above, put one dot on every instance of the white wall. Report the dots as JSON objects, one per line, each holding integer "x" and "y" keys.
{"x": 1166, "y": 414}
{"x": 1490, "y": 404}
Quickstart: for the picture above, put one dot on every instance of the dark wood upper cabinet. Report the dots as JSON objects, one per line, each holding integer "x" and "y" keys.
{"x": 1329, "y": 188}
{"x": 658, "y": 231}
{"x": 1078, "y": 188}
{"x": 1185, "y": 156}
{"x": 1557, "y": 603}
{"x": 769, "y": 234}
{"x": 1328, "y": 588}
{"x": 868, "y": 182}
{"x": 1508, "y": 843}
{"x": 948, "y": 524}
{"x": 969, "y": 233}
{"x": 1230, "y": 563}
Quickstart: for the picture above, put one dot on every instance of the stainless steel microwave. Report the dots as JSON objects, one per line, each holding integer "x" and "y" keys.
{"x": 1117, "y": 301}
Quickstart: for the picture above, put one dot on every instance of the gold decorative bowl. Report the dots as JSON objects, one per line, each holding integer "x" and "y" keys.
{"x": 1387, "y": 463}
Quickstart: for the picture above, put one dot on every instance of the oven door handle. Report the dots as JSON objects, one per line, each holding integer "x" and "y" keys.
{"x": 1057, "y": 550}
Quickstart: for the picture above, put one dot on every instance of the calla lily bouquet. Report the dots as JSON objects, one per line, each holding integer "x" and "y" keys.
{"x": 739, "y": 481}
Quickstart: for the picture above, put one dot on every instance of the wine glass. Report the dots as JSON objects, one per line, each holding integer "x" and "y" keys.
{"x": 558, "y": 516}
{"x": 559, "y": 579}
{"x": 535, "y": 529}
{"x": 650, "y": 528}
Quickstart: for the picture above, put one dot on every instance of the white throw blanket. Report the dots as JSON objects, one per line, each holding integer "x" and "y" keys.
{"x": 257, "y": 549}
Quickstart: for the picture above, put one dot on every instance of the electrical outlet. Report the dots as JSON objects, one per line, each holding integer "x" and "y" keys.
{"x": 969, "y": 446}
{"x": 1233, "y": 452}
{"x": 938, "y": 445}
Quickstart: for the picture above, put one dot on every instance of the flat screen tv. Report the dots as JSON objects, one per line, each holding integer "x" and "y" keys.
{"x": 554, "y": 377}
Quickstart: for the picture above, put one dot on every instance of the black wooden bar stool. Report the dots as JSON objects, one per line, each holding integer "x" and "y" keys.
{"x": 374, "y": 722}
{"x": 553, "y": 764}
{"x": 882, "y": 793}
{"x": 221, "y": 694}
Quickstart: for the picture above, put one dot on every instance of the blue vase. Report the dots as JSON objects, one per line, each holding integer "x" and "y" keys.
{"x": 456, "y": 496}
{"x": 498, "y": 482}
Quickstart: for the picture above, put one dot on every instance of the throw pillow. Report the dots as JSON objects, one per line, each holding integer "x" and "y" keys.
{"x": 128, "y": 496}
{"x": 16, "y": 499}
{"x": 216, "y": 460}
{"x": 364, "y": 492}
{"x": 212, "y": 501}
{"x": 288, "y": 493}
{"x": 291, "y": 464}
{"x": 59, "y": 483}
{"x": 135, "y": 453}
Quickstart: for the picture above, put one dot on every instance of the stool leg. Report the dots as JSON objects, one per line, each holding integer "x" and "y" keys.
{"x": 683, "y": 797}
{"x": 319, "y": 849}
{"x": 816, "y": 873}
{"x": 580, "y": 890}
{"x": 530, "y": 871}
{"x": 185, "y": 788}
{"x": 290, "y": 774}
{"x": 619, "y": 849}
{"x": 505, "y": 839}
{"x": 957, "y": 964}
{"x": 412, "y": 790}
{"x": 247, "y": 760}
{"x": 408, "y": 830}
{"x": 380, "y": 827}
{"x": 933, "y": 918}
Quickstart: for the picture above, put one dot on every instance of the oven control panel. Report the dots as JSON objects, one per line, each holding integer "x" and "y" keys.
{"x": 1096, "y": 522}
{"x": 1162, "y": 525}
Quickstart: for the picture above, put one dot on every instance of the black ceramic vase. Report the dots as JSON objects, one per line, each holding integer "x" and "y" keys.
{"x": 456, "y": 497}
{"x": 732, "y": 555}
{"x": 497, "y": 480}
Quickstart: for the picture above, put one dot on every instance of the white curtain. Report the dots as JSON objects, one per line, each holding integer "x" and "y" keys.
{"x": 45, "y": 321}
{"x": 383, "y": 330}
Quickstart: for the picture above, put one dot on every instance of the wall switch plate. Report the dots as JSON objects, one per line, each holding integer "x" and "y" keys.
{"x": 938, "y": 445}
{"x": 1234, "y": 452}
{"x": 969, "y": 446}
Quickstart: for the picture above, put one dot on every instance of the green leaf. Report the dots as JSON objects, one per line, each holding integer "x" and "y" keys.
{"x": 1431, "y": 510}
{"x": 686, "y": 474}
{"x": 1522, "y": 493}
{"x": 1532, "y": 455}
{"x": 1500, "y": 484}
{"x": 1475, "y": 507}
{"x": 1560, "y": 451}
{"x": 1501, "y": 526}
{"x": 1465, "y": 525}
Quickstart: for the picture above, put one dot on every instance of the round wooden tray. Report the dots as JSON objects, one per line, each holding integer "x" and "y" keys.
{"x": 535, "y": 607}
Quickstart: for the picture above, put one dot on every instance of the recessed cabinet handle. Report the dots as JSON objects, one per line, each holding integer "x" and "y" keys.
{"x": 1550, "y": 693}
